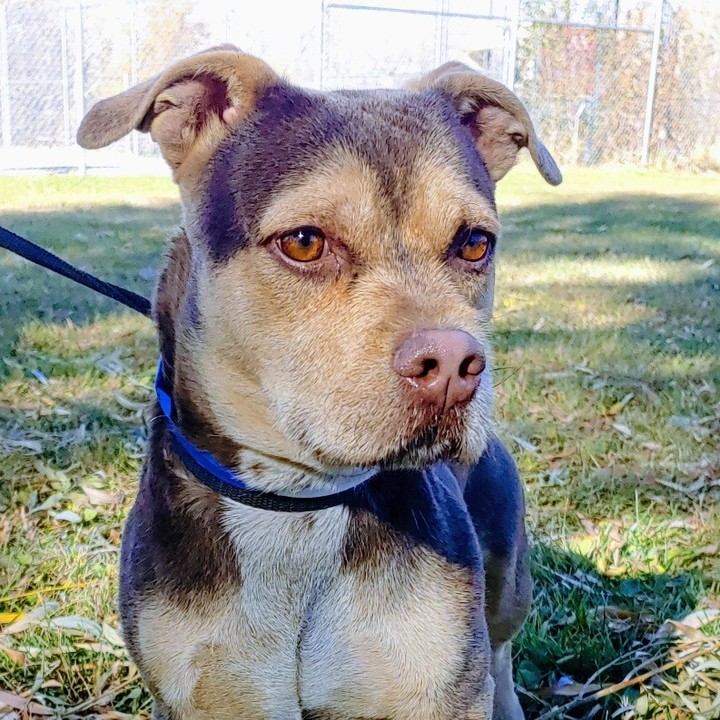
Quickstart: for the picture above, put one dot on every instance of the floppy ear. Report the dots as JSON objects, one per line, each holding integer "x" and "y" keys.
{"x": 497, "y": 119}
{"x": 192, "y": 104}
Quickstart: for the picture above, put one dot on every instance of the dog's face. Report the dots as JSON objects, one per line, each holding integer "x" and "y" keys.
{"x": 331, "y": 307}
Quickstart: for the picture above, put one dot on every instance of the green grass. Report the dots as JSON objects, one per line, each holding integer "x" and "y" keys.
{"x": 607, "y": 334}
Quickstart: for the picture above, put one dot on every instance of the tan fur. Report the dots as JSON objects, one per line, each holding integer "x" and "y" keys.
{"x": 332, "y": 611}
{"x": 252, "y": 367}
{"x": 167, "y": 106}
{"x": 405, "y": 605}
{"x": 511, "y": 128}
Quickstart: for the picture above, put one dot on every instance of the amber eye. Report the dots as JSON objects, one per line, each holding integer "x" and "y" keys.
{"x": 303, "y": 245}
{"x": 476, "y": 245}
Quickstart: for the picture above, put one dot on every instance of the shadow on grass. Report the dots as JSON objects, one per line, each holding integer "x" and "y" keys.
{"x": 582, "y": 622}
{"x": 122, "y": 244}
{"x": 629, "y": 226}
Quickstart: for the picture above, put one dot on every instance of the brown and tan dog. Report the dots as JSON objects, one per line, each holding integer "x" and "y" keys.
{"x": 323, "y": 318}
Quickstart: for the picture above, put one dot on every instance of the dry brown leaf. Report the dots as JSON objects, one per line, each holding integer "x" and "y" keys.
{"x": 102, "y": 497}
{"x": 574, "y": 689}
{"x": 15, "y": 655}
{"x": 32, "y": 618}
{"x": 613, "y": 612}
{"x": 20, "y": 703}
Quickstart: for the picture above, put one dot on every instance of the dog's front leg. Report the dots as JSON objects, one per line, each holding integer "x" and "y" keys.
{"x": 507, "y": 705}
{"x": 483, "y": 707}
{"x": 494, "y": 496}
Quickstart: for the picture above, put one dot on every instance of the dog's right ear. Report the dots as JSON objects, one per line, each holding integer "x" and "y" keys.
{"x": 189, "y": 107}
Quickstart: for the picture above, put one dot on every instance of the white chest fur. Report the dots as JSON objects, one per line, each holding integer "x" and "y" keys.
{"x": 387, "y": 637}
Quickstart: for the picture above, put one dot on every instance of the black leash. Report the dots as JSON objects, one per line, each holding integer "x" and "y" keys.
{"x": 35, "y": 254}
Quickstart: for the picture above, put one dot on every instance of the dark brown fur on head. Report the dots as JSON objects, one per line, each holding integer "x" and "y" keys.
{"x": 285, "y": 369}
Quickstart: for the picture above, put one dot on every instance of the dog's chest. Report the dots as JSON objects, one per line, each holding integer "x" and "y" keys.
{"x": 335, "y": 614}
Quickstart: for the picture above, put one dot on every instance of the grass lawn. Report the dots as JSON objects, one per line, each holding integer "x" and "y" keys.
{"x": 607, "y": 335}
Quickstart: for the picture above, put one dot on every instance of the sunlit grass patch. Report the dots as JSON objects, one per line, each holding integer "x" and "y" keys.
{"x": 608, "y": 371}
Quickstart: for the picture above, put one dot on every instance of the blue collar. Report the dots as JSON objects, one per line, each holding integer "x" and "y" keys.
{"x": 206, "y": 468}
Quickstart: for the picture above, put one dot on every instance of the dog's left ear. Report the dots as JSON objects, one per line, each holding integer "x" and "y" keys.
{"x": 497, "y": 119}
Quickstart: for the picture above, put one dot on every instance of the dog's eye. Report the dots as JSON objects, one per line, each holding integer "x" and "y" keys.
{"x": 475, "y": 244}
{"x": 303, "y": 245}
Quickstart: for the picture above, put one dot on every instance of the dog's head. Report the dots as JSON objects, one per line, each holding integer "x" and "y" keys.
{"x": 329, "y": 308}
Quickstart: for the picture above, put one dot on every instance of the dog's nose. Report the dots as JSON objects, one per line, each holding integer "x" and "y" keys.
{"x": 442, "y": 366}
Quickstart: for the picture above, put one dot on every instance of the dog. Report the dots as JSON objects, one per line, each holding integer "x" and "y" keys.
{"x": 323, "y": 319}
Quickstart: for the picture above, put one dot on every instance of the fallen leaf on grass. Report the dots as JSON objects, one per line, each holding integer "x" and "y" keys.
{"x": 51, "y": 684}
{"x": 8, "y": 617}
{"x": 613, "y": 612}
{"x": 66, "y": 516}
{"x": 111, "y": 365}
{"x": 561, "y": 455}
{"x": 623, "y": 429}
{"x": 32, "y": 445}
{"x": 15, "y": 655}
{"x": 112, "y": 635}
{"x": 48, "y": 503}
{"x": 689, "y": 490}
{"x": 567, "y": 687}
{"x": 34, "y": 617}
{"x": 20, "y": 703}
{"x": 698, "y": 618}
{"x": 102, "y": 497}
{"x": 126, "y": 403}
{"x": 525, "y": 444}
{"x": 687, "y": 627}
{"x": 76, "y": 625}
{"x": 40, "y": 376}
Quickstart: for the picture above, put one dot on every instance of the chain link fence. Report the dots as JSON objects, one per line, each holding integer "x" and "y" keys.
{"x": 629, "y": 81}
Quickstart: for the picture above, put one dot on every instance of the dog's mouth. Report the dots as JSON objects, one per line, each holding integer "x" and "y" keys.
{"x": 440, "y": 439}
{"x": 434, "y": 438}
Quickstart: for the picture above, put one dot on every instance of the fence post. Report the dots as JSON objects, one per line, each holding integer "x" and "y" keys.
{"x": 652, "y": 80}
{"x": 134, "y": 139}
{"x": 64, "y": 75}
{"x": 78, "y": 77}
{"x": 513, "y": 44}
{"x": 323, "y": 20}
{"x": 4, "y": 80}
{"x": 441, "y": 32}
